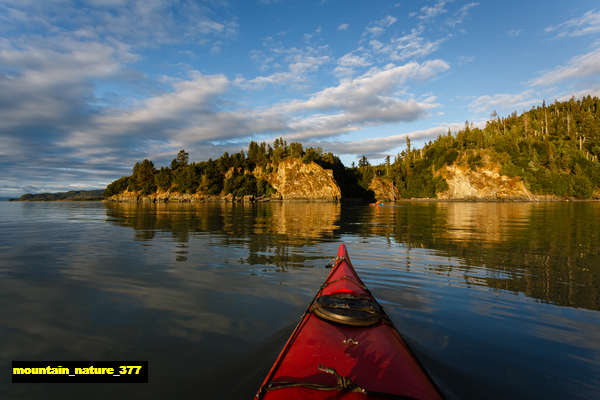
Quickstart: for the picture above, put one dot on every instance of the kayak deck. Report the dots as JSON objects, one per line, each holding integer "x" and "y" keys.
{"x": 324, "y": 359}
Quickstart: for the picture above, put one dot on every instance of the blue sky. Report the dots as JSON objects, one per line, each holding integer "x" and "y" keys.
{"x": 89, "y": 87}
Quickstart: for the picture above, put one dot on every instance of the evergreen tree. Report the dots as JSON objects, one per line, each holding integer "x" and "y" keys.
{"x": 181, "y": 160}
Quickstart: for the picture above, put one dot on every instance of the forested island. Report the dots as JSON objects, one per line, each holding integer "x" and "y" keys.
{"x": 548, "y": 152}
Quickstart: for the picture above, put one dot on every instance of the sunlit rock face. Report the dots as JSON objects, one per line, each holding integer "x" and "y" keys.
{"x": 295, "y": 180}
{"x": 384, "y": 189}
{"x": 481, "y": 184}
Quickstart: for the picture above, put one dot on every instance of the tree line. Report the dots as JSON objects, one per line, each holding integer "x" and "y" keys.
{"x": 230, "y": 173}
{"x": 554, "y": 148}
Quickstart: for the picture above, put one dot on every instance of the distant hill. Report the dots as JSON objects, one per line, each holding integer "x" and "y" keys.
{"x": 73, "y": 195}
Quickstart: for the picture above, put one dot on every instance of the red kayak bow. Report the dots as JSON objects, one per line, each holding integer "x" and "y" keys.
{"x": 346, "y": 347}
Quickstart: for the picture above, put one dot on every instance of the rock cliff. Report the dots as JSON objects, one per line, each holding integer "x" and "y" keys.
{"x": 484, "y": 183}
{"x": 295, "y": 180}
{"x": 384, "y": 189}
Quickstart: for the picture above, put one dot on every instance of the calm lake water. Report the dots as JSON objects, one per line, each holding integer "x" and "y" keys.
{"x": 497, "y": 300}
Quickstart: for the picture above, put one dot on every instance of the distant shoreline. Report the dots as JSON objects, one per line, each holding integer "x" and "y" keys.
{"x": 52, "y": 201}
{"x": 73, "y": 195}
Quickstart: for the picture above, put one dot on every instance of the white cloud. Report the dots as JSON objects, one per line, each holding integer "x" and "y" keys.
{"x": 50, "y": 87}
{"x": 369, "y": 88}
{"x": 459, "y": 16}
{"x": 582, "y": 66}
{"x": 407, "y": 46}
{"x": 51, "y": 84}
{"x": 351, "y": 60}
{"x": 343, "y": 27}
{"x": 587, "y": 24}
{"x": 189, "y": 101}
{"x": 429, "y": 12}
{"x": 348, "y": 63}
{"x": 593, "y": 90}
{"x": 378, "y": 27}
{"x": 382, "y": 111}
{"x": 514, "y": 32}
{"x": 208, "y": 26}
{"x": 189, "y": 116}
{"x": 379, "y": 147}
{"x": 139, "y": 22}
{"x": 106, "y": 3}
{"x": 504, "y": 102}
{"x": 300, "y": 65}
{"x": 369, "y": 99}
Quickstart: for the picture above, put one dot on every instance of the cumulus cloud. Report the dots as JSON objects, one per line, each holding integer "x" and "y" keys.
{"x": 49, "y": 87}
{"x": 366, "y": 100}
{"x": 343, "y": 27}
{"x": 188, "y": 98}
{"x": 581, "y": 66}
{"x": 587, "y": 24}
{"x": 370, "y": 87}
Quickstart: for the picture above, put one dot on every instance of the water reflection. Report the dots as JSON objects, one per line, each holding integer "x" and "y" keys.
{"x": 487, "y": 222}
{"x": 499, "y": 300}
{"x": 299, "y": 220}
{"x": 547, "y": 251}
{"x": 267, "y": 230}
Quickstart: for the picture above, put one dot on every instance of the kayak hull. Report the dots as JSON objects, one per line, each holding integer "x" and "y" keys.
{"x": 373, "y": 358}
